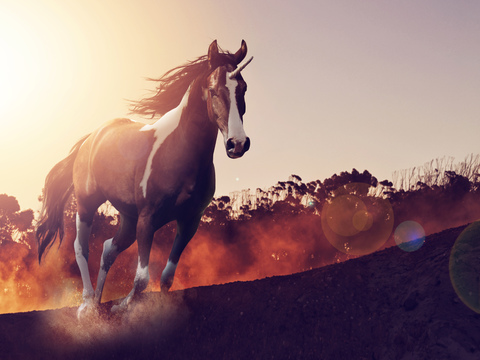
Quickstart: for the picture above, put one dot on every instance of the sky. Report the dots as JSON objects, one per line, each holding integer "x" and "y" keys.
{"x": 334, "y": 85}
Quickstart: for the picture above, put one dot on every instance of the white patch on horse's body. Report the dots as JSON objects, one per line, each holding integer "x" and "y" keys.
{"x": 162, "y": 128}
{"x": 140, "y": 282}
{"x": 235, "y": 124}
{"x": 142, "y": 272}
{"x": 81, "y": 255}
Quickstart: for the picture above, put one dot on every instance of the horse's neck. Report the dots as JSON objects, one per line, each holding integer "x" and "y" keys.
{"x": 195, "y": 124}
{"x": 190, "y": 118}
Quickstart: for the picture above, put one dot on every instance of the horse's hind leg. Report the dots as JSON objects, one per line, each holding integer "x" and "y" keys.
{"x": 122, "y": 240}
{"x": 185, "y": 231}
{"x": 84, "y": 228}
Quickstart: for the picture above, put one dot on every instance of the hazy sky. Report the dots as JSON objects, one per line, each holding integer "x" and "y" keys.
{"x": 335, "y": 85}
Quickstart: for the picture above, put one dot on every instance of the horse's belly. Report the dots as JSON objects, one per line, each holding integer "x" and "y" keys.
{"x": 119, "y": 190}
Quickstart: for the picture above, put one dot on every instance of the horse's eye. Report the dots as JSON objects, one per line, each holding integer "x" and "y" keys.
{"x": 212, "y": 91}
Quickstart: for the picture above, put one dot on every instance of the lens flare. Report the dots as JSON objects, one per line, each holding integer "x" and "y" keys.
{"x": 362, "y": 220}
{"x": 356, "y": 223}
{"x": 409, "y": 236}
{"x": 340, "y": 214}
{"x": 465, "y": 266}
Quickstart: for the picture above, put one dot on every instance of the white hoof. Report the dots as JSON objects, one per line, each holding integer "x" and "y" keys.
{"x": 87, "y": 310}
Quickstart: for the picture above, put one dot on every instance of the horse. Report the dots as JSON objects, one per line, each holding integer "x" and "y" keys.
{"x": 152, "y": 174}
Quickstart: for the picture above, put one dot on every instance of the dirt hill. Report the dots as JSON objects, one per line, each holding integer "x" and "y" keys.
{"x": 388, "y": 305}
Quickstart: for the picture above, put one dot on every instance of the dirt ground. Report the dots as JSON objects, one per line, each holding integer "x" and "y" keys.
{"x": 388, "y": 305}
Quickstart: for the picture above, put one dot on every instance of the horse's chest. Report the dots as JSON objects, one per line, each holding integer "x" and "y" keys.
{"x": 191, "y": 193}
{"x": 191, "y": 190}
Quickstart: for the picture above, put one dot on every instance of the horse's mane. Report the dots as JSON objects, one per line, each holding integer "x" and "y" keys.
{"x": 174, "y": 83}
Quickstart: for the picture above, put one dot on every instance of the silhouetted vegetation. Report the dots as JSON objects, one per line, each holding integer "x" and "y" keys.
{"x": 440, "y": 194}
{"x": 15, "y": 225}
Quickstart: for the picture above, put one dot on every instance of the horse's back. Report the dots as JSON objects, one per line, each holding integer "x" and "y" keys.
{"x": 109, "y": 160}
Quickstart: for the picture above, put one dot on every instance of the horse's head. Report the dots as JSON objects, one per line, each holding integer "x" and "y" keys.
{"x": 225, "y": 97}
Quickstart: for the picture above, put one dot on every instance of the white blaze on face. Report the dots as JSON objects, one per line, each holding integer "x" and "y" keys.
{"x": 162, "y": 128}
{"x": 235, "y": 124}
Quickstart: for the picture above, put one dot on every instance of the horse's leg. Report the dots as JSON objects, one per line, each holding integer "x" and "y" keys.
{"x": 84, "y": 228}
{"x": 145, "y": 232}
{"x": 185, "y": 231}
{"x": 122, "y": 240}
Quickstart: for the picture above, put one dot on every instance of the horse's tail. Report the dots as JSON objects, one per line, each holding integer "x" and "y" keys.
{"x": 57, "y": 191}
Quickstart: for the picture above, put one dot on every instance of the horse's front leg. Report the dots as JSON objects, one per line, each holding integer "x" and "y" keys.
{"x": 81, "y": 254}
{"x": 186, "y": 229}
{"x": 145, "y": 232}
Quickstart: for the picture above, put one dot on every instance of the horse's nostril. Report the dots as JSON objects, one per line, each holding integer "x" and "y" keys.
{"x": 236, "y": 147}
{"x": 230, "y": 145}
{"x": 246, "y": 146}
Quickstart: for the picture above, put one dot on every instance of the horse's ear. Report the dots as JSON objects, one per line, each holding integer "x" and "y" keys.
{"x": 241, "y": 53}
{"x": 212, "y": 54}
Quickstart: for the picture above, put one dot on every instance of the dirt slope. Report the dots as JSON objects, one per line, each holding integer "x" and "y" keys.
{"x": 388, "y": 305}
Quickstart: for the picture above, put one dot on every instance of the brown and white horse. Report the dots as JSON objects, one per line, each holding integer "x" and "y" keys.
{"x": 152, "y": 174}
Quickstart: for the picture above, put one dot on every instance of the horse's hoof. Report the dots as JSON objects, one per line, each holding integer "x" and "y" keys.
{"x": 87, "y": 310}
{"x": 164, "y": 288}
{"x": 118, "y": 309}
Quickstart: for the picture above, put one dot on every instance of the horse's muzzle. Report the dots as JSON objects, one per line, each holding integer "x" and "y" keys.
{"x": 236, "y": 148}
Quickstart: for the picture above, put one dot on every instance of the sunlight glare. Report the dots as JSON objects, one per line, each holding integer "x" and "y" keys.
{"x": 39, "y": 52}
{"x": 17, "y": 65}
